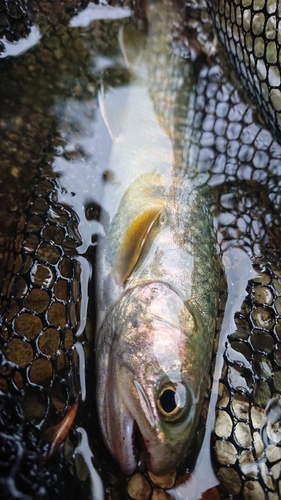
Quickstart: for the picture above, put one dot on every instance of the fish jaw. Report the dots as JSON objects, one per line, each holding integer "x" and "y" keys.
{"x": 121, "y": 444}
{"x": 121, "y": 418}
{"x": 118, "y": 433}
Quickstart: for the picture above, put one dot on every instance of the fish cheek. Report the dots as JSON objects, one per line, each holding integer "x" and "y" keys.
{"x": 196, "y": 350}
{"x": 172, "y": 434}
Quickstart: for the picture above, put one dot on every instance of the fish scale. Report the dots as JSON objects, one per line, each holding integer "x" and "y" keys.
{"x": 214, "y": 147}
{"x": 169, "y": 270}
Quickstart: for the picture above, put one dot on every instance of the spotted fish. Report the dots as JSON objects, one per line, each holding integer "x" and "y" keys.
{"x": 157, "y": 279}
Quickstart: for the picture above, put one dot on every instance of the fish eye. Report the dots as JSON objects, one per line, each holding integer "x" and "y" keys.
{"x": 171, "y": 401}
{"x": 168, "y": 400}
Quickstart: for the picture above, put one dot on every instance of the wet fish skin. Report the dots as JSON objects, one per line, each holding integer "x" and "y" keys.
{"x": 155, "y": 338}
{"x": 158, "y": 300}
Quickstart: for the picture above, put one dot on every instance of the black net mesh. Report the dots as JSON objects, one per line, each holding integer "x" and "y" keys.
{"x": 235, "y": 153}
{"x": 23, "y": 473}
{"x": 40, "y": 299}
{"x": 246, "y": 436}
{"x": 251, "y": 33}
{"x": 247, "y": 432}
{"x": 40, "y": 317}
{"x": 44, "y": 348}
{"x": 228, "y": 148}
{"x": 13, "y": 21}
{"x": 17, "y": 17}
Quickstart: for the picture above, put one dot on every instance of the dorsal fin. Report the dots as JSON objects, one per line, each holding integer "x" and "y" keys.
{"x": 133, "y": 243}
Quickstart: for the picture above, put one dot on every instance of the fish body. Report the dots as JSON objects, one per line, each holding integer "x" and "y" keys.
{"x": 157, "y": 289}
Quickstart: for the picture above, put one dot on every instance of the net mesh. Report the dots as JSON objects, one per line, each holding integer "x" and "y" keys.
{"x": 17, "y": 17}
{"x": 40, "y": 316}
{"x": 246, "y": 437}
{"x": 226, "y": 146}
{"x": 251, "y": 33}
{"x": 23, "y": 474}
{"x": 236, "y": 153}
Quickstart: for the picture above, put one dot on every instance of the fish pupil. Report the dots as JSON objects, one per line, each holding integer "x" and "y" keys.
{"x": 168, "y": 401}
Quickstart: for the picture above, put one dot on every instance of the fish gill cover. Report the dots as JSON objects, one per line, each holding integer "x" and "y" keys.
{"x": 230, "y": 149}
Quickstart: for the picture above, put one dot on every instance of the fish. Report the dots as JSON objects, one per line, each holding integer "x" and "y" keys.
{"x": 157, "y": 272}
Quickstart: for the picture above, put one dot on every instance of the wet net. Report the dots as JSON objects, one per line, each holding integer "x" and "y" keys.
{"x": 251, "y": 33}
{"x": 40, "y": 316}
{"x": 18, "y": 17}
{"x": 227, "y": 147}
{"x": 244, "y": 163}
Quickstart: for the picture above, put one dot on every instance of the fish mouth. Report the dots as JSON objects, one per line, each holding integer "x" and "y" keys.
{"x": 123, "y": 430}
{"x": 136, "y": 451}
{"x": 122, "y": 443}
{"x": 131, "y": 448}
{"x": 128, "y": 458}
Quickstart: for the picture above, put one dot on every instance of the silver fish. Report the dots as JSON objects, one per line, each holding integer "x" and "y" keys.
{"x": 158, "y": 276}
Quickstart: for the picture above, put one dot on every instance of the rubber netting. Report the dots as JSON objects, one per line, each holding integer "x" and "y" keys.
{"x": 244, "y": 164}
{"x": 40, "y": 270}
{"x": 227, "y": 147}
{"x": 251, "y": 33}
{"x": 17, "y": 17}
{"x": 40, "y": 316}
{"x": 246, "y": 437}
{"x": 23, "y": 474}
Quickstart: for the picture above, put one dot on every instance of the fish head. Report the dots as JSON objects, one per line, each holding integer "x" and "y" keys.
{"x": 150, "y": 392}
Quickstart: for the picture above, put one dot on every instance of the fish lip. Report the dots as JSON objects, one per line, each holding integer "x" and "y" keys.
{"x": 131, "y": 448}
{"x": 137, "y": 451}
{"x": 125, "y": 456}
{"x": 136, "y": 446}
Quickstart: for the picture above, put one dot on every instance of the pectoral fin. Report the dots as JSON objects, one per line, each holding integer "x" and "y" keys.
{"x": 132, "y": 43}
{"x": 113, "y": 108}
{"x": 133, "y": 243}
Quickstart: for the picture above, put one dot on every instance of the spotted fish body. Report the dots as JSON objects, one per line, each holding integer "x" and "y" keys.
{"x": 158, "y": 287}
